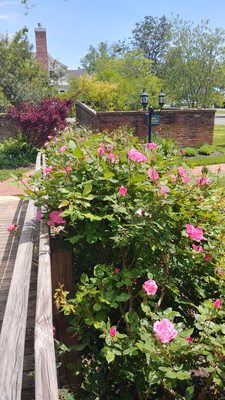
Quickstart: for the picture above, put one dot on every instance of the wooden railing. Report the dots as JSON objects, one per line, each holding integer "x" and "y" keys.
{"x": 12, "y": 338}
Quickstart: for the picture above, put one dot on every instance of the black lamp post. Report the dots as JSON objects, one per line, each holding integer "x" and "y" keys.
{"x": 144, "y": 102}
{"x": 144, "y": 99}
{"x": 161, "y": 98}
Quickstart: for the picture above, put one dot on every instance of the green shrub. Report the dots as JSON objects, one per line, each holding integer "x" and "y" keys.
{"x": 190, "y": 151}
{"x": 148, "y": 246}
{"x": 206, "y": 149}
{"x": 16, "y": 152}
{"x": 4, "y": 103}
{"x": 96, "y": 94}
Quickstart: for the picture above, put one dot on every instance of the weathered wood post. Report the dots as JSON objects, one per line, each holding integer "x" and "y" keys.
{"x": 63, "y": 273}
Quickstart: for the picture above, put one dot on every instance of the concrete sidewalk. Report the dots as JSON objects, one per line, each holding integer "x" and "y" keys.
{"x": 212, "y": 168}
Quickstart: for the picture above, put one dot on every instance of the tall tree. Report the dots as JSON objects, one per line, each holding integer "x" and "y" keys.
{"x": 21, "y": 77}
{"x": 103, "y": 51}
{"x": 152, "y": 36}
{"x": 193, "y": 71}
{"x": 131, "y": 73}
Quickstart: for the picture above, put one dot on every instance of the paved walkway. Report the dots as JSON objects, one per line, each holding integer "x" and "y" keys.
{"x": 212, "y": 168}
{"x": 9, "y": 188}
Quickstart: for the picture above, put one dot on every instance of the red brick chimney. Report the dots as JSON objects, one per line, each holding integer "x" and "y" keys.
{"x": 41, "y": 46}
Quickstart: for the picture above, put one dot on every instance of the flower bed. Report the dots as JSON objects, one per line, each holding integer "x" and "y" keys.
{"x": 148, "y": 303}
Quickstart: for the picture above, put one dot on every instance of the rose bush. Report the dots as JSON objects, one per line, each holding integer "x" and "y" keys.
{"x": 147, "y": 307}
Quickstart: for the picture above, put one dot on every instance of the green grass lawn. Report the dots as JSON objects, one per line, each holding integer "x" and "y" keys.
{"x": 219, "y": 137}
{"x": 218, "y": 112}
{"x": 7, "y": 173}
{"x": 219, "y": 143}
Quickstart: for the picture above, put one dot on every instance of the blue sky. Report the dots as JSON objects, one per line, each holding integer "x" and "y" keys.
{"x": 73, "y": 25}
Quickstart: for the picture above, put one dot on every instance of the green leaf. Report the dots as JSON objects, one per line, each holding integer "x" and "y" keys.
{"x": 171, "y": 374}
{"x": 72, "y": 144}
{"x": 63, "y": 203}
{"x": 92, "y": 217}
{"x": 108, "y": 175}
{"x": 87, "y": 188}
{"x": 110, "y": 356}
{"x": 186, "y": 332}
{"x": 189, "y": 393}
{"x": 66, "y": 395}
{"x": 123, "y": 297}
{"x": 84, "y": 278}
{"x": 78, "y": 153}
{"x": 97, "y": 307}
{"x": 146, "y": 309}
{"x": 99, "y": 271}
{"x": 183, "y": 375}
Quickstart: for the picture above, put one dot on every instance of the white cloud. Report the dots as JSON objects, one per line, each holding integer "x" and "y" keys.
{"x": 8, "y": 3}
{"x": 8, "y": 16}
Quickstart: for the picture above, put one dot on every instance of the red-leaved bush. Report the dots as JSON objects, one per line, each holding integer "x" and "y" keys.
{"x": 38, "y": 122}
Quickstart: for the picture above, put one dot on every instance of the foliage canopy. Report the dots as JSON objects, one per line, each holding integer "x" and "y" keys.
{"x": 21, "y": 77}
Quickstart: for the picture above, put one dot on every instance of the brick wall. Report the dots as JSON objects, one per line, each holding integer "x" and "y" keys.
{"x": 6, "y": 129}
{"x": 41, "y": 47}
{"x": 189, "y": 127}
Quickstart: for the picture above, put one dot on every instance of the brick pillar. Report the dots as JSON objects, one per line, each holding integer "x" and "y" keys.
{"x": 41, "y": 47}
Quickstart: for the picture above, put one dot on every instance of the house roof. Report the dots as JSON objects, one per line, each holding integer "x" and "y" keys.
{"x": 69, "y": 73}
{"x": 76, "y": 73}
{"x": 52, "y": 62}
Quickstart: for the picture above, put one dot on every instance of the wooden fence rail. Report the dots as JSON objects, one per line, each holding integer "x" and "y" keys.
{"x": 12, "y": 338}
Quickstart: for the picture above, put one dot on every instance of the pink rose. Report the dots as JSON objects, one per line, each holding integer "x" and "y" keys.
{"x": 62, "y": 149}
{"x": 109, "y": 148}
{"x": 50, "y": 137}
{"x": 185, "y": 179}
{"x": 164, "y": 190}
{"x": 12, "y": 228}
{"x": 101, "y": 150}
{"x": 150, "y": 287}
{"x": 47, "y": 170}
{"x": 68, "y": 169}
{"x": 197, "y": 249}
{"x": 207, "y": 257}
{"x": 112, "y": 331}
{"x": 194, "y": 233}
{"x": 201, "y": 181}
{"x": 122, "y": 191}
{"x": 136, "y": 156}
{"x": 173, "y": 178}
{"x": 112, "y": 157}
{"x": 153, "y": 174}
{"x": 220, "y": 272}
{"x": 165, "y": 330}
{"x": 217, "y": 303}
{"x": 116, "y": 271}
{"x": 55, "y": 218}
{"x": 46, "y": 144}
{"x": 189, "y": 339}
{"x": 38, "y": 215}
{"x": 151, "y": 146}
{"x": 182, "y": 171}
